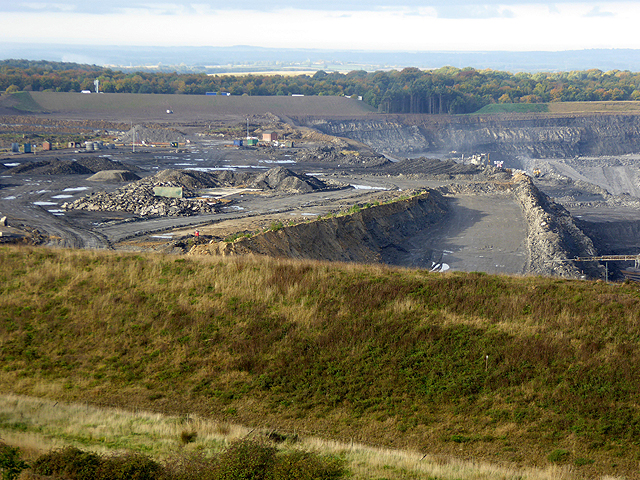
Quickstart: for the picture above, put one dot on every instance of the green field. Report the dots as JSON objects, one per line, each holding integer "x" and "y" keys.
{"x": 523, "y": 371}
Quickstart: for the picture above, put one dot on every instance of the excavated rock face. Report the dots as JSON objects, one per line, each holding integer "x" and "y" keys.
{"x": 522, "y": 135}
{"x": 552, "y": 241}
{"x": 359, "y": 237}
{"x": 553, "y": 237}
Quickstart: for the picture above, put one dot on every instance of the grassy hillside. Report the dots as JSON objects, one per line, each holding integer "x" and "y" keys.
{"x": 563, "y": 108}
{"x": 525, "y": 371}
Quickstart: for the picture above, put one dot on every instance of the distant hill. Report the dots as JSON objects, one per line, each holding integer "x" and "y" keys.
{"x": 239, "y": 58}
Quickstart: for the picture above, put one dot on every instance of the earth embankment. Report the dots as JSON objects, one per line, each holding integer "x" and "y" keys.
{"x": 455, "y": 227}
{"x": 371, "y": 235}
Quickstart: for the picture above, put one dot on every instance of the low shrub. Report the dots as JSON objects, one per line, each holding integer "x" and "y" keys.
{"x": 246, "y": 460}
{"x": 70, "y": 463}
{"x": 131, "y": 466}
{"x": 306, "y": 466}
{"x": 11, "y": 465}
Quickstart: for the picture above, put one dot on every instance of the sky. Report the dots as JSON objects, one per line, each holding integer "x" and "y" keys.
{"x": 377, "y": 25}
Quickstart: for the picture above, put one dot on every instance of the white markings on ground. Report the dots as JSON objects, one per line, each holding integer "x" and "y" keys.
{"x": 62, "y": 196}
{"x": 75, "y": 189}
{"x": 367, "y": 187}
{"x": 45, "y": 203}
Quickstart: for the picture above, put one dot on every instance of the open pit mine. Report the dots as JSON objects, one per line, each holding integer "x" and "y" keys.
{"x": 320, "y": 179}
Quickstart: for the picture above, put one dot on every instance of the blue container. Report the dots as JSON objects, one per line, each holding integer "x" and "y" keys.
{"x": 27, "y": 148}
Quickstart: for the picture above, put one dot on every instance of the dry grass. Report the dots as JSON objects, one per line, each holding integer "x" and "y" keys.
{"x": 51, "y": 425}
{"x": 594, "y": 107}
{"x": 387, "y": 357}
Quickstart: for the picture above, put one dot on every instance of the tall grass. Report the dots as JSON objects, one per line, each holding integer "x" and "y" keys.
{"x": 502, "y": 369}
{"x": 49, "y": 425}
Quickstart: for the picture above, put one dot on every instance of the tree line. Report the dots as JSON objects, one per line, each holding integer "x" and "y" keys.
{"x": 410, "y": 90}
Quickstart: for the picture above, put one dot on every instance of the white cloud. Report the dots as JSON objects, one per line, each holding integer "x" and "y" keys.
{"x": 529, "y": 26}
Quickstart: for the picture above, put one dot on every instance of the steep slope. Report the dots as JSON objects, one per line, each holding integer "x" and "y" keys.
{"x": 362, "y": 237}
{"x": 537, "y": 136}
{"x": 380, "y": 234}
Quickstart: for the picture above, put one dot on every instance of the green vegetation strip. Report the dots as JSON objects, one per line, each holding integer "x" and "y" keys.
{"x": 54, "y": 434}
{"x": 508, "y": 369}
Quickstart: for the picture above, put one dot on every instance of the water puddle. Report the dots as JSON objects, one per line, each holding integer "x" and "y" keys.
{"x": 62, "y": 196}
{"x": 75, "y": 189}
{"x": 10, "y": 197}
{"x": 11, "y": 164}
{"x": 44, "y": 203}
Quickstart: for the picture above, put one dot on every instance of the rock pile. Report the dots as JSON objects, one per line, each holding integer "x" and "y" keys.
{"x": 138, "y": 198}
{"x": 194, "y": 179}
{"x": 553, "y": 237}
{"x": 278, "y": 179}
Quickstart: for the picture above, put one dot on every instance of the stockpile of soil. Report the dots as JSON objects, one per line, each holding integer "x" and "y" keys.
{"x": 97, "y": 164}
{"x": 342, "y": 155}
{"x": 50, "y": 167}
{"x": 283, "y": 180}
{"x": 430, "y": 166}
{"x": 114, "y": 176}
{"x": 55, "y": 166}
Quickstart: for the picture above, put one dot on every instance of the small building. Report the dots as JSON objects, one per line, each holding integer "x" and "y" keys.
{"x": 289, "y": 144}
{"x": 237, "y": 143}
{"x": 252, "y": 142}
{"x": 15, "y": 147}
{"x": 27, "y": 148}
{"x": 269, "y": 136}
{"x": 46, "y": 146}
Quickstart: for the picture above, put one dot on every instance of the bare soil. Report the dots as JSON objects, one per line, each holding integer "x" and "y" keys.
{"x": 485, "y": 232}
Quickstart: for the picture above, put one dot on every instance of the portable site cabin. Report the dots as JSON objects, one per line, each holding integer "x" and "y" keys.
{"x": 252, "y": 142}
{"x": 269, "y": 136}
